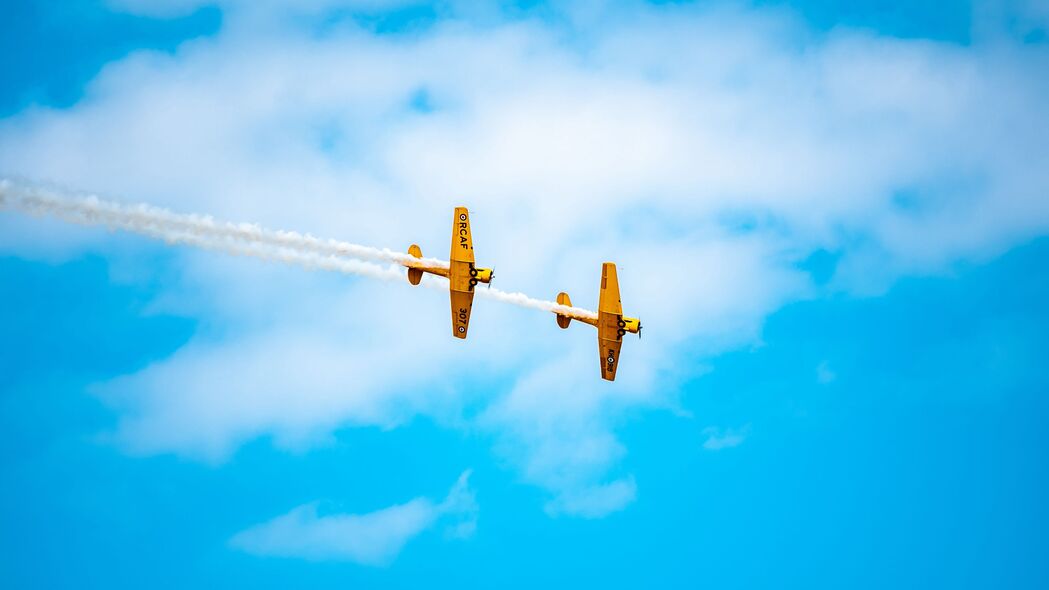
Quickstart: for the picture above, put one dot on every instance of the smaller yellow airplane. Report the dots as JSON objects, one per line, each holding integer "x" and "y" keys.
{"x": 461, "y": 273}
{"x": 610, "y": 323}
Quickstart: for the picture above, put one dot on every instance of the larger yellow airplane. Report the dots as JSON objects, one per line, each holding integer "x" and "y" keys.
{"x": 610, "y": 323}
{"x": 462, "y": 275}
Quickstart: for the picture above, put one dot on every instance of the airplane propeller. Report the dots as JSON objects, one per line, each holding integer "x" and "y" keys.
{"x": 491, "y": 278}
{"x": 639, "y": 326}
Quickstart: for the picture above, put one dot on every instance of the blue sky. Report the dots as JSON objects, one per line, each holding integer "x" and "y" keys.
{"x": 831, "y": 221}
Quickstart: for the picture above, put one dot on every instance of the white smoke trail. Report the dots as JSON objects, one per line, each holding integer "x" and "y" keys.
{"x": 242, "y": 239}
{"x": 307, "y": 260}
{"x": 522, "y": 300}
{"x": 92, "y": 210}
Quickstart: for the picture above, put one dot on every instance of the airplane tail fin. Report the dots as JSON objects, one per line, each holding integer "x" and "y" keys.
{"x": 415, "y": 275}
{"x": 563, "y": 299}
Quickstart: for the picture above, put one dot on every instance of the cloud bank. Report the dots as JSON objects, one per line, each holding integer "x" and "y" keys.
{"x": 711, "y": 151}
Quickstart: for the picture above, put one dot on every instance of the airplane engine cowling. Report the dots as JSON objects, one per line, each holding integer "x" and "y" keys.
{"x": 563, "y": 299}
{"x": 482, "y": 275}
{"x": 415, "y": 275}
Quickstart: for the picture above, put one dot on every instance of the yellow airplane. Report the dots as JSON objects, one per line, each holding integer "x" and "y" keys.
{"x": 610, "y": 323}
{"x": 462, "y": 275}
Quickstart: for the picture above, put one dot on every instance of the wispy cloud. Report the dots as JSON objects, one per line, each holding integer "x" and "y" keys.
{"x": 596, "y": 500}
{"x": 724, "y": 438}
{"x": 374, "y": 538}
{"x": 824, "y": 373}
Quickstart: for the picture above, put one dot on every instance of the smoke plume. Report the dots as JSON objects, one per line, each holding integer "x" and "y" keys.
{"x": 241, "y": 239}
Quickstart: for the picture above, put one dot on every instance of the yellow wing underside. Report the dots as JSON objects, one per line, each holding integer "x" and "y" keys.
{"x": 609, "y": 349}
{"x": 461, "y": 261}
{"x": 609, "y": 300}
{"x": 609, "y": 320}
{"x": 462, "y": 241}
{"x": 462, "y": 303}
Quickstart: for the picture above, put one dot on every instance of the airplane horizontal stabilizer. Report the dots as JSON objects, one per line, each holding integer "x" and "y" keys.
{"x": 415, "y": 275}
{"x": 563, "y": 299}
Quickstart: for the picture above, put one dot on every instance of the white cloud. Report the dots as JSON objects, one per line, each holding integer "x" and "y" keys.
{"x": 707, "y": 151}
{"x": 724, "y": 438}
{"x": 375, "y": 538}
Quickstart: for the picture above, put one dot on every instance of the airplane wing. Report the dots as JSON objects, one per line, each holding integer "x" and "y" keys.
{"x": 459, "y": 272}
{"x": 609, "y": 349}
{"x": 609, "y": 322}
{"x": 609, "y": 299}
{"x": 462, "y": 242}
{"x": 462, "y": 303}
